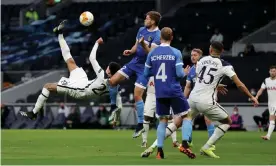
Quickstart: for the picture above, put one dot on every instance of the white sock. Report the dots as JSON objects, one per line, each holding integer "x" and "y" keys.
{"x": 174, "y": 139}
{"x": 218, "y": 133}
{"x": 41, "y": 100}
{"x": 173, "y": 135}
{"x": 171, "y": 128}
{"x": 145, "y": 134}
{"x": 270, "y": 128}
{"x": 64, "y": 48}
{"x": 154, "y": 145}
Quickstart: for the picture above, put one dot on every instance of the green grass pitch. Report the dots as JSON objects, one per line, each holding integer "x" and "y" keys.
{"x": 111, "y": 147}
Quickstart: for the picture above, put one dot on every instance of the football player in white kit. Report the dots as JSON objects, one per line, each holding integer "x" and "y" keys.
{"x": 77, "y": 85}
{"x": 270, "y": 85}
{"x": 210, "y": 70}
{"x": 150, "y": 113}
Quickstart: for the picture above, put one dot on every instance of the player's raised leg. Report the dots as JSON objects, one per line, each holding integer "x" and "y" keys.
{"x": 42, "y": 98}
{"x": 65, "y": 50}
{"x": 271, "y": 126}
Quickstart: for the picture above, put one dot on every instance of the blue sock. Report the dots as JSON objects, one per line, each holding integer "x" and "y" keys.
{"x": 191, "y": 139}
{"x": 161, "y": 133}
{"x": 211, "y": 129}
{"x": 113, "y": 91}
{"x": 187, "y": 129}
{"x": 140, "y": 111}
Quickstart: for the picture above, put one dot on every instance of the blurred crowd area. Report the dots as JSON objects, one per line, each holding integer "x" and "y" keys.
{"x": 30, "y": 49}
{"x": 62, "y": 116}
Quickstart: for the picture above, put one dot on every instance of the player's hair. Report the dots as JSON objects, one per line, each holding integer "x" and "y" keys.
{"x": 197, "y": 50}
{"x": 166, "y": 34}
{"x": 154, "y": 15}
{"x": 217, "y": 46}
{"x": 272, "y": 67}
{"x": 114, "y": 67}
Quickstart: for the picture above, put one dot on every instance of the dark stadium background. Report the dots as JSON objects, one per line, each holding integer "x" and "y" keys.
{"x": 30, "y": 54}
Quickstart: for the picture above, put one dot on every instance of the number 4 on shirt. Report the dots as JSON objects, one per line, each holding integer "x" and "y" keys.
{"x": 161, "y": 73}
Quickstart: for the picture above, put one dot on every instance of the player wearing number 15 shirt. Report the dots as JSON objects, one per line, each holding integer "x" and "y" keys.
{"x": 165, "y": 64}
{"x": 210, "y": 71}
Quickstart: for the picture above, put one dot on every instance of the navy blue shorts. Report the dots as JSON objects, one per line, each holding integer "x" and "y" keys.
{"x": 135, "y": 69}
{"x": 179, "y": 106}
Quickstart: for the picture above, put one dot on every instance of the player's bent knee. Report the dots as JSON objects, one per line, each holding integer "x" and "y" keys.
{"x": 116, "y": 79}
{"x": 178, "y": 121}
{"x": 147, "y": 118}
{"x": 52, "y": 87}
{"x": 226, "y": 121}
{"x": 47, "y": 86}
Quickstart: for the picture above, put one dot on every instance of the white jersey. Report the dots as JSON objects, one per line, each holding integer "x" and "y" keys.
{"x": 96, "y": 87}
{"x": 210, "y": 72}
{"x": 150, "y": 87}
{"x": 270, "y": 86}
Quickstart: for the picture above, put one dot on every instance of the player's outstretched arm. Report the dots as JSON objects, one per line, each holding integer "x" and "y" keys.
{"x": 95, "y": 65}
{"x": 132, "y": 51}
{"x": 244, "y": 89}
{"x": 261, "y": 90}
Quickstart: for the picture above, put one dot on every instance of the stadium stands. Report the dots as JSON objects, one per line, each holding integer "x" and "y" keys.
{"x": 36, "y": 47}
{"x": 196, "y": 22}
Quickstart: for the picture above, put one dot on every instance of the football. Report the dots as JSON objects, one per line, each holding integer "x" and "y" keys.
{"x": 86, "y": 18}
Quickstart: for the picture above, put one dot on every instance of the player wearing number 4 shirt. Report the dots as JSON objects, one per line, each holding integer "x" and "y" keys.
{"x": 210, "y": 70}
{"x": 77, "y": 85}
{"x": 165, "y": 64}
{"x": 270, "y": 85}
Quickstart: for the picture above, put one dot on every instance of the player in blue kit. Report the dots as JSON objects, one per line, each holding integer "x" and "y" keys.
{"x": 151, "y": 35}
{"x": 165, "y": 64}
{"x": 190, "y": 81}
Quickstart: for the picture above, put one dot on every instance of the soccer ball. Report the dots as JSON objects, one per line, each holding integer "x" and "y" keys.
{"x": 86, "y": 18}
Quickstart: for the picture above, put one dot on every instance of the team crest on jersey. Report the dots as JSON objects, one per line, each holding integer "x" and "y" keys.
{"x": 64, "y": 82}
{"x": 149, "y": 38}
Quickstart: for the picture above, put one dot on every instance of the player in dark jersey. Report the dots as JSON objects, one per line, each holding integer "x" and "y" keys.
{"x": 135, "y": 67}
{"x": 165, "y": 64}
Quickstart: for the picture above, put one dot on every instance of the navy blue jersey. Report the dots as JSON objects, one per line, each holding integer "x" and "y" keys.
{"x": 165, "y": 64}
{"x": 150, "y": 38}
{"x": 191, "y": 77}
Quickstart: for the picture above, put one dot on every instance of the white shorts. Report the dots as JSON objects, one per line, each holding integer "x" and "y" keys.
{"x": 213, "y": 112}
{"x": 74, "y": 85}
{"x": 150, "y": 105}
{"x": 272, "y": 110}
